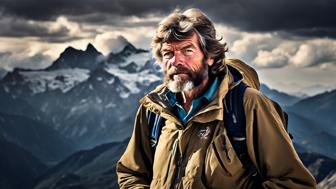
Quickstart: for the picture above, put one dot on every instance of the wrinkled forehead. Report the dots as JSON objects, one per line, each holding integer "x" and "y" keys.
{"x": 178, "y": 44}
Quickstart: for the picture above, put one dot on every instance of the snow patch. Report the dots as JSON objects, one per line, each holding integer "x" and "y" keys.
{"x": 328, "y": 182}
{"x": 99, "y": 100}
{"x": 91, "y": 87}
{"x": 82, "y": 131}
{"x": 132, "y": 81}
{"x": 111, "y": 81}
{"x": 122, "y": 92}
{"x": 6, "y": 89}
{"x": 64, "y": 80}
{"x": 110, "y": 105}
{"x": 78, "y": 110}
{"x": 74, "y": 132}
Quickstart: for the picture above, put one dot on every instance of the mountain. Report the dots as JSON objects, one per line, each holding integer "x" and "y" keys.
{"x": 310, "y": 135}
{"x": 126, "y": 52}
{"x": 90, "y": 102}
{"x": 307, "y": 131}
{"x": 320, "y": 108}
{"x": 282, "y": 98}
{"x": 94, "y": 168}
{"x": 2, "y": 73}
{"x": 18, "y": 167}
{"x": 12, "y": 105}
{"x": 39, "y": 139}
{"x": 74, "y": 58}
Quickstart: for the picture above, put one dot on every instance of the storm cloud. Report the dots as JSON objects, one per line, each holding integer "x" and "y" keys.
{"x": 17, "y": 27}
{"x": 300, "y": 17}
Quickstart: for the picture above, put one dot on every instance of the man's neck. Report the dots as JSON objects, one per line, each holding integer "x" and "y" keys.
{"x": 194, "y": 93}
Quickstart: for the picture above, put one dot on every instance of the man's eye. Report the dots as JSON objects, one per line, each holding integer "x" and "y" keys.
{"x": 167, "y": 54}
{"x": 189, "y": 51}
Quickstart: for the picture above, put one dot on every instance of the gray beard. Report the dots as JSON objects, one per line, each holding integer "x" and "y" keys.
{"x": 178, "y": 85}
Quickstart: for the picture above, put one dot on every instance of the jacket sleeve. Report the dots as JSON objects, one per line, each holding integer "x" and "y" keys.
{"x": 134, "y": 169}
{"x": 270, "y": 146}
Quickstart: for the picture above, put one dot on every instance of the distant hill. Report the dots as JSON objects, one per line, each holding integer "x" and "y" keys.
{"x": 282, "y": 98}
{"x": 320, "y": 108}
{"x": 39, "y": 139}
{"x": 18, "y": 168}
{"x": 310, "y": 135}
{"x": 311, "y": 120}
{"x": 94, "y": 169}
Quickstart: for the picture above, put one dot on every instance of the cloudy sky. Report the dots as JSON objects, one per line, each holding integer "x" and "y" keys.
{"x": 292, "y": 44}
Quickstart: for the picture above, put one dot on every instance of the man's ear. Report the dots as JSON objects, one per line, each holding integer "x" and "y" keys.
{"x": 210, "y": 61}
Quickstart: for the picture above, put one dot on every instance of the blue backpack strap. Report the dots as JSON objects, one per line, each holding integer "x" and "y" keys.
{"x": 155, "y": 124}
{"x": 235, "y": 123}
{"x": 235, "y": 116}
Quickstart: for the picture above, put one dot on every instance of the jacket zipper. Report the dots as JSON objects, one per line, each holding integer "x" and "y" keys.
{"x": 158, "y": 101}
{"x": 177, "y": 174}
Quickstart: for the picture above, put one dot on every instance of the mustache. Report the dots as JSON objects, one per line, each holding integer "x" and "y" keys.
{"x": 178, "y": 70}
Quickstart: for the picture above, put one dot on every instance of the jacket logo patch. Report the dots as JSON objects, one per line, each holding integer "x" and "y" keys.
{"x": 204, "y": 133}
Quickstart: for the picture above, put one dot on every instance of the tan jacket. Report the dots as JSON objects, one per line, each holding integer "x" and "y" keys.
{"x": 200, "y": 155}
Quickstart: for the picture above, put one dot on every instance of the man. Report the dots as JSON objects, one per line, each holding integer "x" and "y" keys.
{"x": 194, "y": 149}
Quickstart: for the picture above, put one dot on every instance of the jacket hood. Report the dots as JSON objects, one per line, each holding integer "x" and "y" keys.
{"x": 249, "y": 75}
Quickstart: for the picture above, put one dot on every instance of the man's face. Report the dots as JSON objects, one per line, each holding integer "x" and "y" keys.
{"x": 185, "y": 66}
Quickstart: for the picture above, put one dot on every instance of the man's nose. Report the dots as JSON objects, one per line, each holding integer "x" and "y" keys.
{"x": 177, "y": 59}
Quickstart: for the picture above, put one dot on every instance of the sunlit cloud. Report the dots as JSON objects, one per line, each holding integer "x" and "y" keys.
{"x": 315, "y": 52}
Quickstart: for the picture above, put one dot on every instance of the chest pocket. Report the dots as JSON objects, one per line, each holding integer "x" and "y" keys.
{"x": 221, "y": 162}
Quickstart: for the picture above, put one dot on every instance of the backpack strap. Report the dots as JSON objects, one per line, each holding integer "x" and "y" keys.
{"x": 155, "y": 123}
{"x": 235, "y": 123}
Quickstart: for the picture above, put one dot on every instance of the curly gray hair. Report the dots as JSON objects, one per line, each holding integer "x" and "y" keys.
{"x": 182, "y": 25}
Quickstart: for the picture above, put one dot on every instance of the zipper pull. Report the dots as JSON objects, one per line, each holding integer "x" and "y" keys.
{"x": 234, "y": 118}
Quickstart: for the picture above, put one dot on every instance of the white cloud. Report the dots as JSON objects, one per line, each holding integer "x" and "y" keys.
{"x": 9, "y": 61}
{"x": 251, "y": 42}
{"x": 140, "y": 37}
{"x": 109, "y": 42}
{"x": 275, "y": 58}
{"x": 270, "y": 50}
{"x": 229, "y": 34}
{"x": 294, "y": 80}
{"x": 62, "y": 23}
{"x": 315, "y": 52}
